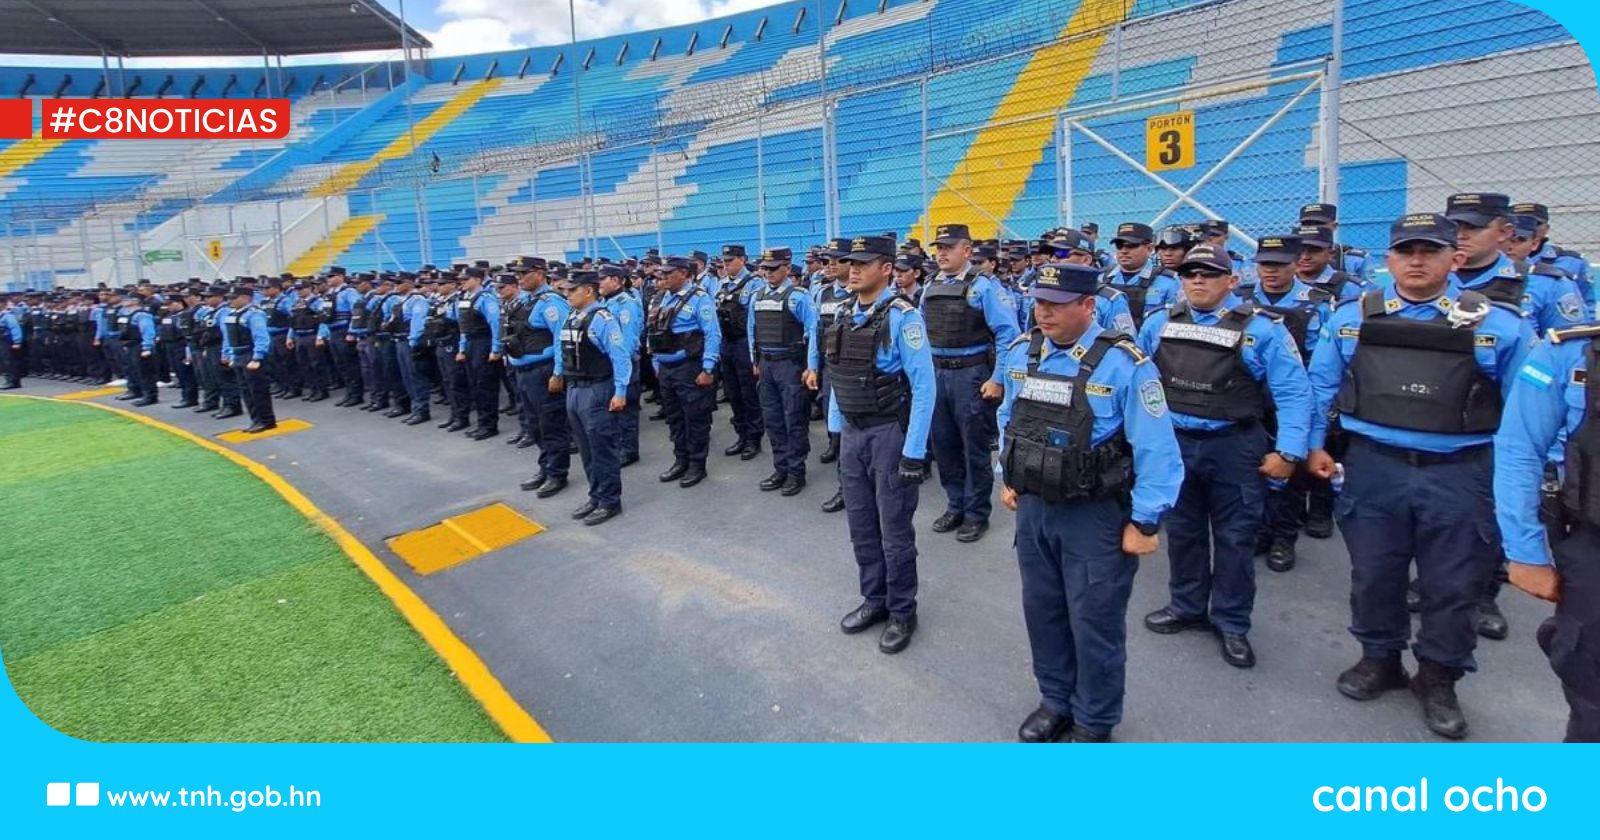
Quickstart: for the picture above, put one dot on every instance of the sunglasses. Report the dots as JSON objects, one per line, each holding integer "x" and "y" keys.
{"x": 1203, "y": 275}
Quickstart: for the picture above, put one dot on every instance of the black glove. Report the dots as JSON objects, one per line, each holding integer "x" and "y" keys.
{"x": 913, "y": 471}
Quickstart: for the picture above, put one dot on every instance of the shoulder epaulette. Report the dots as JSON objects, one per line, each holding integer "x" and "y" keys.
{"x": 1565, "y": 252}
{"x": 1132, "y": 349}
{"x": 1108, "y": 293}
{"x": 901, "y": 303}
{"x": 1023, "y": 339}
{"x": 1549, "y": 270}
{"x": 1570, "y": 333}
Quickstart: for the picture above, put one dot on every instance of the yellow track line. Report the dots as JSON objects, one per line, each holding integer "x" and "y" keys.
{"x": 512, "y": 719}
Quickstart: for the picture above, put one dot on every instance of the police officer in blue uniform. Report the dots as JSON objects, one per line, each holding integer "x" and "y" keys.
{"x": 1089, "y": 463}
{"x": 1417, "y": 373}
{"x": 139, "y": 337}
{"x": 478, "y": 313}
{"x": 12, "y": 337}
{"x": 1222, "y": 361}
{"x": 341, "y": 335}
{"x": 278, "y": 305}
{"x": 1483, "y": 224}
{"x": 1351, "y": 260}
{"x": 1303, "y": 309}
{"x": 594, "y": 368}
{"x": 882, "y": 408}
{"x": 1316, "y": 267}
{"x": 1556, "y": 398}
{"x": 1547, "y": 253}
{"x": 172, "y": 337}
{"x": 1112, "y": 311}
{"x": 1147, "y": 286}
{"x": 969, "y": 317}
{"x": 781, "y": 322}
{"x": 738, "y": 369}
{"x": 828, "y": 296}
{"x": 685, "y": 345}
{"x": 615, "y": 296}
{"x": 408, "y": 315}
{"x": 534, "y": 315}
{"x": 249, "y": 343}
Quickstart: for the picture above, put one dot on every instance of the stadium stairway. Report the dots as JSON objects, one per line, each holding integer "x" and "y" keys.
{"x": 325, "y": 252}
{"x": 24, "y": 152}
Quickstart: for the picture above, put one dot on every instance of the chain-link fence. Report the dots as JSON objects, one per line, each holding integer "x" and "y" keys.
{"x": 1050, "y": 114}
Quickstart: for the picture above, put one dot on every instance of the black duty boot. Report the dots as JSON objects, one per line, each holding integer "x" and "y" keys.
{"x": 1372, "y": 676}
{"x": 1490, "y": 622}
{"x": 831, "y": 454}
{"x": 1435, "y": 686}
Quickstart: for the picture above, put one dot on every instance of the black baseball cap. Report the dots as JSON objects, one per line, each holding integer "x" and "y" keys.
{"x": 1212, "y": 227}
{"x": 672, "y": 262}
{"x": 1064, "y": 282}
{"x": 1278, "y": 250}
{"x": 1205, "y": 256}
{"x": 1531, "y": 208}
{"x": 1315, "y": 236}
{"x": 865, "y": 249}
{"x": 733, "y": 250}
{"x": 1319, "y": 214}
{"x": 1136, "y": 233}
{"x": 1525, "y": 225}
{"x": 1477, "y": 209}
{"x": 1423, "y": 227}
{"x": 774, "y": 257}
{"x": 584, "y": 277}
{"x": 837, "y": 247}
{"x": 1067, "y": 239}
{"x": 951, "y": 234}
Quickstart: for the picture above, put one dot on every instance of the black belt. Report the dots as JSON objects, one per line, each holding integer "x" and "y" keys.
{"x": 959, "y": 362}
{"x": 1418, "y": 458}
{"x": 777, "y": 355}
{"x": 683, "y": 361}
{"x": 580, "y": 381}
{"x": 1233, "y": 429}
{"x": 871, "y": 421}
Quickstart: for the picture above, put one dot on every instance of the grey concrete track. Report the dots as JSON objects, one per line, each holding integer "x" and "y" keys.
{"x": 710, "y": 614}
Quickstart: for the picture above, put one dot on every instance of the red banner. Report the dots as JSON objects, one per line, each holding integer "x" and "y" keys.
{"x": 165, "y": 119}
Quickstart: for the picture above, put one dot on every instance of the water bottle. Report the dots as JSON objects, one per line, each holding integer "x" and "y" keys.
{"x": 1338, "y": 479}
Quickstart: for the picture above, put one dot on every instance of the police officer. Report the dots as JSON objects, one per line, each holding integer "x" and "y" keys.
{"x": 249, "y": 342}
{"x": 387, "y": 393}
{"x": 968, "y": 317}
{"x": 1221, "y": 360}
{"x": 594, "y": 368}
{"x": 364, "y": 319}
{"x": 534, "y": 317}
{"x": 1545, "y": 252}
{"x": 781, "y": 323}
{"x": 1315, "y": 266}
{"x": 12, "y": 335}
{"x": 306, "y": 342}
{"x": 882, "y": 408}
{"x": 733, "y": 300}
{"x": 279, "y": 307}
{"x": 1555, "y": 398}
{"x": 478, "y": 312}
{"x": 1417, "y": 373}
{"x": 827, "y": 296}
{"x": 340, "y": 334}
{"x": 908, "y": 277}
{"x": 205, "y": 342}
{"x": 172, "y": 337}
{"x": 1304, "y": 309}
{"x": 615, "y": 296}
{"x": 1089, "y": 463}
{"x": 139, "y": 337}
{"x": 408, "y": 315}
{"x": 1148, "y": 286}
{"x": 1072, "y": 247}
{"x": 1483, "y": 229}
{"x": 441, "y": 335}
{"x": 1350, "y": 260}
{"x": 685, "y": 342}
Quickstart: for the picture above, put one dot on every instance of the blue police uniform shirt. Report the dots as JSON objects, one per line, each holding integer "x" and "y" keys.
{"x": 1574, "y": 265}
{"x": 488, "y": 305}
{"x": 146, "y": 323}
{"x": 1270, "y": 354}
{"x": 606, "y": 334}
{"x": 282, "y": 303}
{"x": 1164, "y": 289}
{"x": 829, "y": 299}
{"x": 549, "y": 312}
{"x": 344, "y": 301}
{"x": 710, "y": 282}
{"x": 800, "y": 305}
{"x": 97, "y": 316}
{"x": 1551, "y": 303}
{"x": 1299, "y": 293}
{"x": 1362, "y": 284}
{"x": 1125, "y": 394}
{"x": 1545, "y": 407}
{"x": 260, "y": 336}
{"x": 13, "y": 327}
{"x": 1503, "y": 338}
{"x": 999, "y": 312}
{"x": 1357, "y": 265}
{"x": 415, "y": 308}
{"x": 698, "y": 314}
{"x": 630, "y": 318}
{"x": 910, "y": 352}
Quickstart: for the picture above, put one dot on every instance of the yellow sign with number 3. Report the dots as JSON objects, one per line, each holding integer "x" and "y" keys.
{"x": 1169, "y": 141}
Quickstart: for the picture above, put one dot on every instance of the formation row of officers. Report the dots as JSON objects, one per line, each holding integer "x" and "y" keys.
{"x": 1444, "y": 417}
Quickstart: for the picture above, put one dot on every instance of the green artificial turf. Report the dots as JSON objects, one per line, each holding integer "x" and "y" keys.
{"x": 151, "y": 590}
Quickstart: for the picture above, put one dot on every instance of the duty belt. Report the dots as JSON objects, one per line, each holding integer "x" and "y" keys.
{"x": 1225, "y": 431}
{"x": 1418, "y": 458}
{"x": 959, "y": 362}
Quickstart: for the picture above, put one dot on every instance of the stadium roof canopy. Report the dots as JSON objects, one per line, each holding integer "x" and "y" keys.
{"x": 131, "y": 28}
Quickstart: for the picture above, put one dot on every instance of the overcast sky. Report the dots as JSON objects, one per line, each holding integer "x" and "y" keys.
{"x": 459, "y": 27}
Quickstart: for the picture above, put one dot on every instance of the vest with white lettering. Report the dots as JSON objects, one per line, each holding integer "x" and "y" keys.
{"x": 1202, "y": 365}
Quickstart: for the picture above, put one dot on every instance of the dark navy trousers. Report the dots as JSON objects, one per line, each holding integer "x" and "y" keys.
{"x": 549, "y": 417}
{"x": 412, "y": 382}
{"x": 188, "y": 381}
{"x": 1440, "y": 516}
{"x": 1076, "y": 581}
{"x": 960, "y": 441}
{"x": 786, "y": 408}
{"x": 1211, "y": 531}
{"x": 688, "y": 408}
{"x": 483, "y": 381}
{"x": 739, "y": 382}
{"x": 596, "y": 430}
{"x": 1572, "y": 637}
{"x": 880, "y": 507}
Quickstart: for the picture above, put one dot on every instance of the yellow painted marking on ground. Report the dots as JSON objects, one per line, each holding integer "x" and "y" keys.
{"x": 351, "y": 174}
{"x": 328, "y": 251}
{"x": 90, "y": 394}
{"x": 284, "y": 427}
{"x": 512, "y": 719}
{"x": 985, "y": 185}
{"x": 460, "y": 538}
{"x": 24, "y": 152}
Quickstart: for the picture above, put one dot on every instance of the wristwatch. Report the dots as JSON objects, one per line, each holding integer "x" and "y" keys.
{"x": 1293, "y": 459}
{"x": 1148, "y": 529}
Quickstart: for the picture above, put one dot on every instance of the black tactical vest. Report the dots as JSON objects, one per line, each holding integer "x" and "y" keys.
{"x": 952, "y": 322}
{"x": 866, "y": 395}
{"x": 276, "y": 317}
{"x": 581, "y": 361}
{"x": 126, "y": 328}
{"x": 207, "y": 334}
{"x": 239, "y": 340}
{"x": 1418, "y": 375}
{"x": 1203, "y": 369}
{"x": 359, "y": 317}
{"x": 1507, "y": 290}
{"x": 438, "y": 330}
{"x": 830, "y": 302}
{"x": 398, "y": 324}
{"x": 375, "y": 322}
{"x": 1338, "y": 286}
{"x": 1296, "y": 314}
{"x": 522, "y": 338}
{"x": 663, "y": 341}
{"x": 1138, "y": 291}
{"x": 1050, "y": 449}
{"x": 471, "y": 321}
{"x": 732, "y": 314}
{"x": 301, "y": 317}
{"x": 168, "y": 331}
{"x": 778, "y": 331}
{"x": 1580, "y": 490}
